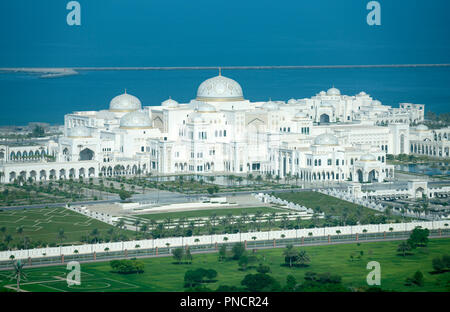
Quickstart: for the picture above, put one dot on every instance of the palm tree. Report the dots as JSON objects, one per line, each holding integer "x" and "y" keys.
{"x": 250, "y": 177}
{"x": 120, "y": 224}
{"x": 19, "y": 231}
{"x": 18, "y": 273}
{"x": 404, "y": 247}
{"x": 213, "y": 219}
{"x": 303, "y": 258}
{"x": 144, "y": 229}
{"x": 298, "y": 219}
{"x": 95, "y": 233}
{"x": 3, "y": 230}
{"x": 290, "y": 253}
{"x": 271, "y": 219}
{"x": 259, "y": 179}
{"x": 61, "y": 235}
{"x": 136, "y": 224}
{"x": 278, "y": 178}
{"x": 8, "y": 239}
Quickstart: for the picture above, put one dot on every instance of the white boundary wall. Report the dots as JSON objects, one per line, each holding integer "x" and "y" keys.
{"x": 212, "y": 239}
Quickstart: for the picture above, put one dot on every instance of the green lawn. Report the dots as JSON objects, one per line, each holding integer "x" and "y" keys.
{"x": 162, "y": 275}
{"x": 43, "y": 224}
{"x": 209, "y": 212}
{"x": 328, "y": 204}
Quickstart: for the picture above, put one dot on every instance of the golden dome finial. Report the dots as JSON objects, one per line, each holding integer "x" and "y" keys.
{"x": 220, "y": 71}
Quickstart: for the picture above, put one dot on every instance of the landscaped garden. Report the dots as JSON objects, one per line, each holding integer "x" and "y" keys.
{"x": 39, "y": 227}
{"x": 309, "y": 268}
{"x": 345, "y": 212}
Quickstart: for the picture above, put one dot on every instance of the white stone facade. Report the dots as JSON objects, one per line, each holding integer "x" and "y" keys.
{"x": 328, "y": 137}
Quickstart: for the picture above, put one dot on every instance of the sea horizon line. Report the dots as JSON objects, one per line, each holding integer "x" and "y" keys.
{"x": 238, "y": 67}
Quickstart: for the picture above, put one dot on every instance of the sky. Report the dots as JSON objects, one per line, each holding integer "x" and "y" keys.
{"x": 221, "y": 33}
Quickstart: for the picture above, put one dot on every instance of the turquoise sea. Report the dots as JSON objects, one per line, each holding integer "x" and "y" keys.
{"x": 27, "y": 97}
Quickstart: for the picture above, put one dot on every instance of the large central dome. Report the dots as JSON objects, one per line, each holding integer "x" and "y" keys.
{"x": 124, "y": 103}
{"x": 220, "y": 89}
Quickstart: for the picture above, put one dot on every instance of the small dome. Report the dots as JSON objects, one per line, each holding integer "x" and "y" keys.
{"x": 368, "y": 157}
{"x": 220, "y": 89}
{"x": 169, "y": 103}
{"x": 333, "y": 91}
{"x": 196, "y": 118}
{"x": 135, "y": 120}
{"x": 79, "y": 132}
{"x": 125, "y": 103}
{"x": 292, "y": 101}
{"x": 270, "y": 106}
{"x": 421, "y": 128}
{"x": 322, "y": 93}
{"x": 326, "y": 139}
{"x": 205, "y": 108}
{"x": 362, "y": 93}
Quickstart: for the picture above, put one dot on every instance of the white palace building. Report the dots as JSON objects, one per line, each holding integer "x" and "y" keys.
{"x": 328, "y": 137}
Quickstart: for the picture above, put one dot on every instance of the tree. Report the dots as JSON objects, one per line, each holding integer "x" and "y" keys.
{"x": 8, "y": 239}
{"x": 222, "y": 252}
{"x": 291, "y": 282}
{"x": 18, "y": 273}
{"x": 124, "y": 195}
{"x": 3, "y": 230}
{"x": 188, "y": 255}
{"x": 95, "y": 233}
{"x": 416, "y": 279}
{"x": 441, "y": 264}
{"x": 260, "y": 282}
{"x": 120, "y": 224}
{"x": 290, "y": 255}
{"x": 19, "y": 231}
{"x": 61, "y": 235}
{"x": 195, "y": 277}
{"x": 404, "y": 247}
{"x": 178, "y": 254}
{"x": 438, "y": 265}
{"x": 238, "y": 251}
{"x": 303, "y": 258}
{"x": 418, "y": 237}
{"x": 263, "y": 269}
{"x": 136, "y": 224}
{"x": 243, "y": 262}
{"x": 127, "y": 266}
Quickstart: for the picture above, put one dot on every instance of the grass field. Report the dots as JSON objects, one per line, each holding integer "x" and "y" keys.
{"x": 209, "y": 212}
{"x": 161, "y": 274}
{"x": 325, "y": 203}
{"x": 42, "y": 224}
